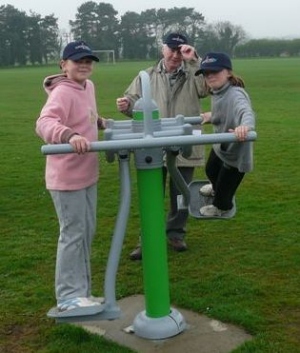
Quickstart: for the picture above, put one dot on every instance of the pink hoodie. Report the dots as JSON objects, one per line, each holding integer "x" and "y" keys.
{"x": 70, "y": 108}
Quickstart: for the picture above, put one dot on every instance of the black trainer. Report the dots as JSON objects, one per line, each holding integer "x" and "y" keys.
{"x": 136, "y": 254}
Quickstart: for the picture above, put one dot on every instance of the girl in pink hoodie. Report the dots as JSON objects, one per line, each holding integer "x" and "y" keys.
{"x": 70, "y": 116}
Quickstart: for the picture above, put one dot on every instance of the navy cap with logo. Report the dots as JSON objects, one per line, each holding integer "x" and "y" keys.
{"x": 214, "y": 61}
{"x": 77, "y": 50}
{"x": 174, "y": 40}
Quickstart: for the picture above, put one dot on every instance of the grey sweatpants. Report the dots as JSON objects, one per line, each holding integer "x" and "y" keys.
{"x": 76, "y": 212}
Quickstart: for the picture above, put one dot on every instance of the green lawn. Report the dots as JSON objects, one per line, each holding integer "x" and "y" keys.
{"x": 243, "y": 271}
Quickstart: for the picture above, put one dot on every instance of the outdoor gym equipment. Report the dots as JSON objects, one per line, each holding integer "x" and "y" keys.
{"x": 149, "y": 138}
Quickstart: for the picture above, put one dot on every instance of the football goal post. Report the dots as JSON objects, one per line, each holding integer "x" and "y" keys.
{"x": 107, "y": 56}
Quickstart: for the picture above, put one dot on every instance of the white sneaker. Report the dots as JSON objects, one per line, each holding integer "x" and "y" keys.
{"x": 212, "y": 211}
{"x": 76, "y": 303}
{"x": 207, "y": 190}
{"x": 99, "y": 300}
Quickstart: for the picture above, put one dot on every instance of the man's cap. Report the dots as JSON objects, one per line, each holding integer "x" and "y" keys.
{"x": 174, "y": 40}
{"x": 78, "y": 50}
{"x": 214, "y": 61}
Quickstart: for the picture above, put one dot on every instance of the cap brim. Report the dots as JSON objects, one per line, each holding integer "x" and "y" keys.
{"x": 174, "y": 46}
{"x": 213, "y": 69}
{"x": 80, "y": 56}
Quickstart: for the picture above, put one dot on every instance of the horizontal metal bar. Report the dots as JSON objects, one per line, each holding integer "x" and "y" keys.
{"x": 150, "y": 142}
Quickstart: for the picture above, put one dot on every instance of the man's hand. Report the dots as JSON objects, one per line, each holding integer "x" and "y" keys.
{"x": 122, "y": 104}
{"x": 188, "y": 52}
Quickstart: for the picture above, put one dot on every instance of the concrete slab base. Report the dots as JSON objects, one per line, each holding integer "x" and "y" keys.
{"x": 202, "y": 335}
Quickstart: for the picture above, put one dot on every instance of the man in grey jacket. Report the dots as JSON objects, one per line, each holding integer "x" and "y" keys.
{"x": 176, "y": 90}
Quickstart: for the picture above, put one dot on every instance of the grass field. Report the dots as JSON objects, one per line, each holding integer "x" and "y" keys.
{"x": 243, "y": 271}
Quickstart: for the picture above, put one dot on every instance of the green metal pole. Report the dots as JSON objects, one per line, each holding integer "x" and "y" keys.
{"x": 153, "y": 238}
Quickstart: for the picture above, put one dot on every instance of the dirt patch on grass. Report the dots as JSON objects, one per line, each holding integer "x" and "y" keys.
{"x": 20, "y": 338}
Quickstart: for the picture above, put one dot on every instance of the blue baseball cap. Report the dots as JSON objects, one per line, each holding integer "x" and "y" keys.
{"x": 174, "y": 40}
{"x": 214, "y": 61}
{"x": 77, "y": 50}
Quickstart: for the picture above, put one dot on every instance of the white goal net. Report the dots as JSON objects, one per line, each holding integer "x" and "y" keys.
{"x": 107, "y": 56}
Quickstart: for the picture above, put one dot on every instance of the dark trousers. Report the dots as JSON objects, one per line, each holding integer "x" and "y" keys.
{"x": 177, "y": 219}
{"x": 225, "y": 181}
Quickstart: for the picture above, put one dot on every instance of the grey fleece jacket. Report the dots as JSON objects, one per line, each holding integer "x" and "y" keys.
{"x": 230, "y": 108}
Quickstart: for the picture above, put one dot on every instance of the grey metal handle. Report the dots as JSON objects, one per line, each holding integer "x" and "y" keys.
{"x": 133, "y": 144}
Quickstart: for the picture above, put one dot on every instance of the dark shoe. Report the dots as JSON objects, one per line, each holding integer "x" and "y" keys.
{"x": 136, "y": 254}
{"x": 177, "y": 244}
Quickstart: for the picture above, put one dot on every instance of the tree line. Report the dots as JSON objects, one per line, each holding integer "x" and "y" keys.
{"x": 34, "y": 39}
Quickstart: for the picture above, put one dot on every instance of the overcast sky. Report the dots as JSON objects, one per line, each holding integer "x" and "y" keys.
{"x": 259, "y": 18}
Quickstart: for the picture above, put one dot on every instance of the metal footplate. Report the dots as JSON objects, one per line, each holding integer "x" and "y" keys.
{"x": 197, "y": 201}
{"x": 93, "y": 313}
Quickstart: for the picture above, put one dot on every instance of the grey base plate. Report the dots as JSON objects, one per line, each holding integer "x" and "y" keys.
{"x": 197, "y": 201}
